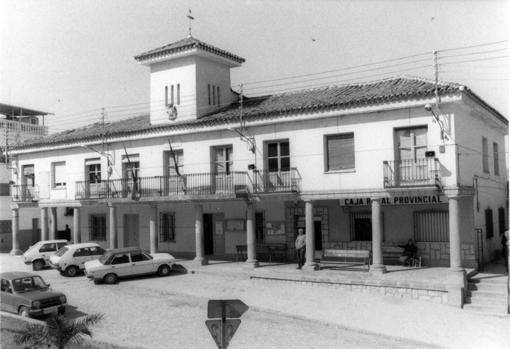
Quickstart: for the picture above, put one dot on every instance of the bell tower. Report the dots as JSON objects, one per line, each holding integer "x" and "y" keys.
{"x": 188, "y": 79}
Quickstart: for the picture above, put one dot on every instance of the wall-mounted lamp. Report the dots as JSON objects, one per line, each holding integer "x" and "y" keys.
{"x": 250, "y": 140}
{"x": 444, "y": 132}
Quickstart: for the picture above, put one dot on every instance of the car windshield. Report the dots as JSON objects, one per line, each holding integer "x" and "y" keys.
{"x": 30, "y": 283}
{"x": 104, "y": 258}
{"x": 62, "y": 251}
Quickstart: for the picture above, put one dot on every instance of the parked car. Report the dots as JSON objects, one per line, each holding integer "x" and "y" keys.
{"x": 29, "y": 295}
{"x": 71, "y": 259}
{"x": 39, "y": 254}
{"x": 125, "y": 262}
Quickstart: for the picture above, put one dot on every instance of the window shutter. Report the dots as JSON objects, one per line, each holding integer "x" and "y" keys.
{"x": 340, "y": 152}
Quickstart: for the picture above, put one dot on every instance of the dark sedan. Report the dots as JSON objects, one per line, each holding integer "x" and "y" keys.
{"x": 28, "y": 295}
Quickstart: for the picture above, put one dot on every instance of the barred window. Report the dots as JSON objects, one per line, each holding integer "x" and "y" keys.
{"x": 166, "y": 227}
{"x": 485, "y": 155}
{"x": 496, "y": 158}
{"x": 6, "y": 226}
{"x": 97, "y": 227}
{"x": 361, "y": 225}
{"x": 431, "y": 226}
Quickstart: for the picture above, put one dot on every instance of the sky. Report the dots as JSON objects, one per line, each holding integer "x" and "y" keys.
{"x": 72, "y": 58}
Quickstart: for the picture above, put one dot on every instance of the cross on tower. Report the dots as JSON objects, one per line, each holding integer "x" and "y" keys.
{"x": 190, "y": 17}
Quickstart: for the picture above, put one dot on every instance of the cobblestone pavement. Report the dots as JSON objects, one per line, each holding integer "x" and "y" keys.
{"x": 170, "y": 312}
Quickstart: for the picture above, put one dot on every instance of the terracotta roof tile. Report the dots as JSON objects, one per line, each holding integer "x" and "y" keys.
{"x": 320, "y": 99}
{"x": 186, "y": 44}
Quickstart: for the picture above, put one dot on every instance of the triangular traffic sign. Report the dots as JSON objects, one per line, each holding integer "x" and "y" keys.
{"x": 214, "y": 327}
{"x": 228, "y": 308}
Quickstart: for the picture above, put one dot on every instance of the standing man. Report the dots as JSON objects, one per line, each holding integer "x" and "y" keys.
{"x": 68, "y": 233}
{"x": 300, "y": 245}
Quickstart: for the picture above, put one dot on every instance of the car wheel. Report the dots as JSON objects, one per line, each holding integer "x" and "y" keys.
{"x": 71, "y": 271}
{"x": 23, "y": 311}
{"x": 110, "y": 278}
{"x": 38, "y": 264}
{"x": 163, "y": 270}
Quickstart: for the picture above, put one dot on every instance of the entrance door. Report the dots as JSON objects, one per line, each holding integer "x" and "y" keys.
{"x": 36, "y": 232}
{"x": 317, "y": 227}
{"x": 131, "y": 230}
{"x": 208, "y": 234}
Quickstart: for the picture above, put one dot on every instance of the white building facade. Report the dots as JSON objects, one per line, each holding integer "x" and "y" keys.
{"x": 17, "y": 124}
{"x": 360, "y": 166}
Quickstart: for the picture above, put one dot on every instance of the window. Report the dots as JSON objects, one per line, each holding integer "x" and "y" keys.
{"x": 209, "y": 93}
{"x": 361, "y": 226}
{"x": 97, "y": 227}
{"x": 120, "y": 259}
{"x": 259, "y": 226}
{"x": 218, "y": 94}
{"x": 93, "y": 169}
{"x": 411, "y": 143}
{"x": 166, "y": 227}
{"x": 222, "y": 159}
{"x": 431, "y": 226}
{"x": 178, "y": 94}
{"x": 139, "y": 257}
{"x": 175, "y": 162}
{"x": 166, "y": 95}
{"x": 485, "y": 155}
{"x": 130, "y": 167}
{"x": 96, "y": 251}
{"x": 278, "y": 157}
{"x": 501, "y": 220}
{"x": 213, "y": 94}
{"x": 28, "y": 175}
{"x": 52, "y": 247}
{"x": 496, "y": 158}
{"x": 489, "y": 225}
{"x": 172, "y": 94}
{"x": 340, "y": 152}
{"x": 81, "y": 252}
{"x": 58, "y": 171}
{"x": 4, "y": 189}
{"x": 6, "y": 226}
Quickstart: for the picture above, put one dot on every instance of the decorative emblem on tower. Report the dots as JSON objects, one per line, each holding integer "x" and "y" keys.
{"x": 171, "y": 110}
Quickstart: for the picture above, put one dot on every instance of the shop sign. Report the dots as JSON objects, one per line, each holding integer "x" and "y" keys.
{"x": 397, "y": 200}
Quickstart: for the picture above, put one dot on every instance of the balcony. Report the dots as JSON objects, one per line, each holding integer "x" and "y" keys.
{"x": 24, "y": 193}
{"x": 276, "y": 182}
{"x": 22, "y": 128}
{"x": 195, "y": 184}
{"x": 412, "y": 173}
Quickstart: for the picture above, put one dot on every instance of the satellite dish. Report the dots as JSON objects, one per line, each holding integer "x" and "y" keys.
{"x": 171, "y": 110}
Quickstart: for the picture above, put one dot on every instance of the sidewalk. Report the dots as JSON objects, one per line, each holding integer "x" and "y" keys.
{"x": 436, "y": 324}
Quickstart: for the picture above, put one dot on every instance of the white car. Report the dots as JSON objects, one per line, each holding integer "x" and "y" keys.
{"x": 125, "y": 262}
{"x": 71, "y": 259}
{"x": 39, "y": 254}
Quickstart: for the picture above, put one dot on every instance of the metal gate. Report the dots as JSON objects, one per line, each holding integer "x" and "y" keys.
{"x": 479, "y": 248}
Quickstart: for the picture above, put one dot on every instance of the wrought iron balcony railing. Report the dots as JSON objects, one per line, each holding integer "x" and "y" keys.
{"x": 279, "y": 181}
{"x": 24, "y": 193}
{"x": 410, "y": 173}
{"x": 188, "y": 184}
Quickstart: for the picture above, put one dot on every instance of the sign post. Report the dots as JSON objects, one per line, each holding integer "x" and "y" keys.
{"x": 224, "y": 319}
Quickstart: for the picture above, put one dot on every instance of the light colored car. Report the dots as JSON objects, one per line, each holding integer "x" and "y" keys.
{"x": 126, "y": 262}
{"x": 28, "y": 295}
{"x": 39, "y": 254}
{"x": 71, "y": 259}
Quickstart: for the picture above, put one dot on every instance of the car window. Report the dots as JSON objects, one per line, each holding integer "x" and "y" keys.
{"x": 139, "y": 257}
{"x": 120, "y": 259}
{"x": 96, "y": 251}
{"x": 48, "y": 247}
{"x": 6, "y": 287}
{"x": 28, "y": 284}
{"x": 80, "y": 252}
{"x": 61, "y": 244}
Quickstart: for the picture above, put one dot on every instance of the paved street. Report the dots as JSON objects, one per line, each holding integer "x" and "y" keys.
{"x": 170, "y": 312}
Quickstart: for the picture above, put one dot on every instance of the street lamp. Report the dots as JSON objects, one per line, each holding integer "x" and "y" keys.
{"x": 250, "y": 140}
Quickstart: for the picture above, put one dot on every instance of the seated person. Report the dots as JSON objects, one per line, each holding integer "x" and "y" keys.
{"x": 410, "y": 252}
